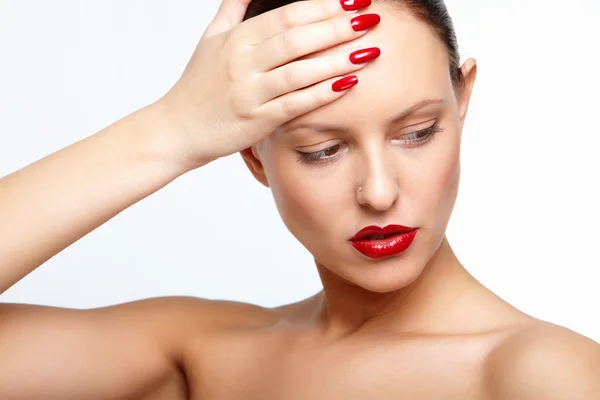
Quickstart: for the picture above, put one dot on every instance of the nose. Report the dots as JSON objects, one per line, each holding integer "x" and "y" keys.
{"x": 379, "y": 188}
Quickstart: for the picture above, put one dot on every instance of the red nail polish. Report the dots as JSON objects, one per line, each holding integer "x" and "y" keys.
{"x": 344, "y": 83}
{"x": 353, "y": 5}
{"x": 365, "y": 21}
{"x": 364, "y": 55}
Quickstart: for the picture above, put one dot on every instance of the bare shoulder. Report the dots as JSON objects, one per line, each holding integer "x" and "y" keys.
{"x": 185, "y": 329}
{"x": 187, "y": 315}
{"x": 541, "y": 360}
{"x": 162, "y": 321}
{"x": 119, "y": 351}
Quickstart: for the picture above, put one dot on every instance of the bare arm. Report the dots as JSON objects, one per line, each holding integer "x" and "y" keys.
{"x": 50, "y": 204}
{"x": 130, "y": 351}
{"x": 109, "y": 353}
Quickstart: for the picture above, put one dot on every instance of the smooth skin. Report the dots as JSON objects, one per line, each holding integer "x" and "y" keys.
{"x": 415, "y": 327}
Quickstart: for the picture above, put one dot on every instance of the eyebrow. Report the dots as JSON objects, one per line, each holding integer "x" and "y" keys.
{"x": 328, "y": 128}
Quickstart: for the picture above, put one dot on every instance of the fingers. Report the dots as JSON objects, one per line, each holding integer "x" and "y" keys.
{"x": 289, "y": 86}
{"x": 309, "y": 39}
{"x": 303, "y": 73}
{"x": 229, "y": 14}
{"x": 265, "y": 26}
{"x": 292, "y": 105}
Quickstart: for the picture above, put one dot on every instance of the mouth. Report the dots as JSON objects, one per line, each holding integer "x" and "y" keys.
{"x": 376, "y": 243}
{"x": 376, "y": 233}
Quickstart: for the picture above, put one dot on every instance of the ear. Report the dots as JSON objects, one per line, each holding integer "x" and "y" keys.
{"x": 252, "y": 160}
{"x": 468, "y": 73}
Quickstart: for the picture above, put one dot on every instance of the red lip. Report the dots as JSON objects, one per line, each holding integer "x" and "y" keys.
{"x": 375, "y": 230}
{"x": 401, "y": 239}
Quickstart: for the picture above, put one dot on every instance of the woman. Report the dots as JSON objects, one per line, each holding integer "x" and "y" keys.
{"x": 399, "y": 316}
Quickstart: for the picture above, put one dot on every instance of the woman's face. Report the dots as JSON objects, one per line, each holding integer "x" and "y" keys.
{"x": 408, "y": 177}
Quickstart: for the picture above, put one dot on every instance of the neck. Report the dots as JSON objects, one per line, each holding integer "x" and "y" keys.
{"x": 422, "y": 306}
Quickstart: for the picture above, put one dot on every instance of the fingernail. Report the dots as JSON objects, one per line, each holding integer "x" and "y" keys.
{"x": 352, "y": 5}
{"x": 365, "y": 21}
{"x": 344, "y": 83}
{"x": 364, "y": 55}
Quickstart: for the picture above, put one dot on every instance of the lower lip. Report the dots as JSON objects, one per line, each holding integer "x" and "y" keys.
{"x": 386, "y": 247}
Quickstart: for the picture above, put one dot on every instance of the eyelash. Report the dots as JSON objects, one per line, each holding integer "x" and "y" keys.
{"x": 314, "y": 157}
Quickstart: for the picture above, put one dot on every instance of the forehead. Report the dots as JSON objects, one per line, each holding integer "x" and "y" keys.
{"x": 413, "y": 66}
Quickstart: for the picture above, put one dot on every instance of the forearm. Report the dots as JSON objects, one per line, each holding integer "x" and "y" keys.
{"x": 52, "y": 203}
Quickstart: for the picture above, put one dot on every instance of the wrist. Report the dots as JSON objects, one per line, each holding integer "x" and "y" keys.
{"x": 163, "y": 140}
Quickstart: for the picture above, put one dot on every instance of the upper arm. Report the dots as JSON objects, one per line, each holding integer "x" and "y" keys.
{"x": 545, "y": 363}
{"x": 113, "y": 352}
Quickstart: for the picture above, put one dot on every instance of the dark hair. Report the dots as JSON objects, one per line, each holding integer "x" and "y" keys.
{"x": 432, "y": 12}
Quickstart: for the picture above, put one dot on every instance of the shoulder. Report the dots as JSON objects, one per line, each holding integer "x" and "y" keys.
{"x": 187, "y": 314}
{"x": 544, "y": 361}
{"x": 176, "y": 324}
{"x": 126, "y": 348}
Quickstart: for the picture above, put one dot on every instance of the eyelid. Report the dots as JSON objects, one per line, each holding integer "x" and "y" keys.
{"x": 425, "y": 124}
{"x": 317, "y": 147}
{"x": 320, "y": 148}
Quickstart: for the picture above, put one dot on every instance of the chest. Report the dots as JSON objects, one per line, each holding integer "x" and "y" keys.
{"x": 381, "y": 369}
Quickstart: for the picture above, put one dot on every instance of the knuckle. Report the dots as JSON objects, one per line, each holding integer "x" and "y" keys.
{"x": 230, "y": 72}
{"x": 285, "y": 17}
{"x": 236, "y": 62}
{"x": 242, "y": 111}
{"x": 229, "y": 56}
{"x": 287, "y": 106}
{"x": 324, "y": 9}
{"x": 240, "y": 104}
{"x": 337, "y": 30}
{"x": 237, "y": 105}
{"x": 333, "y": 65}
{"x": 288, "y": 76}
{"x": 232, "y": 40}
{"x": 289, "y": 43}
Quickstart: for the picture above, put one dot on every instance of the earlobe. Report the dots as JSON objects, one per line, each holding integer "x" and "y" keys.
{"x": 469, "y": 74}
{"x": 252, "y": 160}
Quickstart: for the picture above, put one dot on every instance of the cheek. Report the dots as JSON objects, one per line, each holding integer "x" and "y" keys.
{"x": 295, "y": 197}
{"x": 302, "y": 199}
{"x": 441, "y": 184}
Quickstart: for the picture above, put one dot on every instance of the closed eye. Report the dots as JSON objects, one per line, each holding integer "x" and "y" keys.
{"x": 414, "y": 139}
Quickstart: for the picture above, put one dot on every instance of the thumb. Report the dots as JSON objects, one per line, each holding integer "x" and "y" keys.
{"x": 229, "y": 14}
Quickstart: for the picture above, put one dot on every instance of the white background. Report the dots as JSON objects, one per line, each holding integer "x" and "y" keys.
{"x": 525, "y": 223}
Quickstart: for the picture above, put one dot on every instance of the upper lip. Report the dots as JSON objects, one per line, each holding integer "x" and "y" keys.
{"x": 375, "y": 230}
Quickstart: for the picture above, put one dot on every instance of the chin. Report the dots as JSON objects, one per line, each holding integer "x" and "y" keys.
{"x": 388, "y": 279}
{"x": 384, "y": 276}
